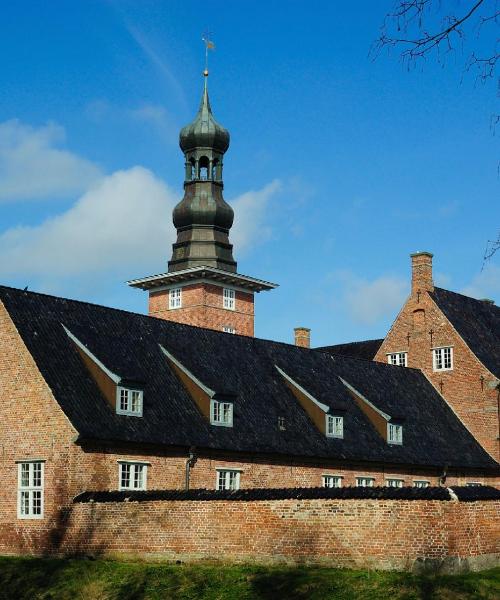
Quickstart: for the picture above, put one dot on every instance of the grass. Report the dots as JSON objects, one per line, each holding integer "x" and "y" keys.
{"x": 78, "y": 579}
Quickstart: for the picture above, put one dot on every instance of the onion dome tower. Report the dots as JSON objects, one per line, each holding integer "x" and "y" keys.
{"x": 202, "y": 286}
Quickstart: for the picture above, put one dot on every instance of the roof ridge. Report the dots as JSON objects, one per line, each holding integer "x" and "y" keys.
{"x": 350, "y": 343}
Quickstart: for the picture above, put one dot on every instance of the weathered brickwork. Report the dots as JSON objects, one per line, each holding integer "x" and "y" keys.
{"x": 386, "y": 534}
{"x": 469, "y": 388}
{"x": 202, "y": 306}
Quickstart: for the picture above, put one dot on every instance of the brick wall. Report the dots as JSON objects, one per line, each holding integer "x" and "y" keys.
{"x": 385, "y": 534}
{"x": 202, "y": 306}
{"x": 468, "y": 387}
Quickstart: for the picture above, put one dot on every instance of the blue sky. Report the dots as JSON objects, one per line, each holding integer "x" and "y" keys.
{"x": 339, "y": 166}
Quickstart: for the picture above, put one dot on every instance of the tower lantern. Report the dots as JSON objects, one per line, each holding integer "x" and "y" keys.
{"x": 202, "y": 286}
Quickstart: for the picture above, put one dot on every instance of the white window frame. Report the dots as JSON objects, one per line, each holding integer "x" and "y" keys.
{"x": 334, "y": 480}
{"x": 439, "y": 358}
{"x": 134, "y": 467}
{"x": 175, "y": 298}
{"x": 227, "y": 329}
{"x": 334, "y": 426}
{"x": 33, "y": 488}
{"x": 394, "y": 482}
{"x": 368, "y": 481}
{"x": 227, "y": 479}
{"x": 394, "y": 434}
{"x": 229, "y": 298}
{"x": 217, "y": 410}
{"x": 421, "y": 483}
{"x": 399, "y": 359}
{"x": 473, "y": 484}
{"x": 130, "y": 394}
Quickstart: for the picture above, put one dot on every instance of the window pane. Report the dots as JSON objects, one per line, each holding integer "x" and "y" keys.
{"x": 125, "y": 475}
{"x": 123, "y": 399}
{"x": 37, "y": 474}
{"x": 25, "y": 475}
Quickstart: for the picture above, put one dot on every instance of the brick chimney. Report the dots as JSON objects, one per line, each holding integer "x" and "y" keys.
{"x": 302, "y": 337}
{"x": 421, "y": 272}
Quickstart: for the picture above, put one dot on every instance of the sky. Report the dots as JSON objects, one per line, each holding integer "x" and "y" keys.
{"x": 339, "y": 166}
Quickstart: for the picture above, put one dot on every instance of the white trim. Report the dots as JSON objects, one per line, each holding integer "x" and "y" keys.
{"x": 174, "y": 298}
{"x": 323, "y": 407}
{"x": 228, "y": 470}
{"x": 134, "y": 463}
{"x": 221, "y": 423}
{"x": 94, "y": 358}
{"x": 445, "y": 346}
{"x": 228, "y": 298}
{"x": 415, "y": 481}
{"x": 395, "y": 442}
{"x": 434, "y": 356}
{"x": 367, "y": 477}
{"x": 130, "y": 413}
{"x": 398, "y": 479}
{"x": 334, "y": 435}
{"x": 178, "y": 364}
{"x": 327, "y": 475}
{"x": 398, "y": 355}
{"x": 30, "y": 489}
{"x": 353, "y": 389}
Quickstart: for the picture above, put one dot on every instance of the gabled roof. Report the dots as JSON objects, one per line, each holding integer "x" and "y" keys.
{"x": 476, "y": 321}
{"x": 129, "y": 345}
{"x": 365, "y": 349}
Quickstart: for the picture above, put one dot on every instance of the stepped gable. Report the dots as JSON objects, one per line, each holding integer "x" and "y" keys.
{"x": 476, "y": 321}
{"x": 128, "y": 344}
{"x": 365, "y": 349}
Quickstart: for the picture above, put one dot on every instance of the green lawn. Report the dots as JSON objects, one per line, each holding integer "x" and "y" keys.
{"x": 74, "y": 579}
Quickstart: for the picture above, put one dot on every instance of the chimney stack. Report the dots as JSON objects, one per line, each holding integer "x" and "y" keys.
{"x": 421, "y": 272}
{"x": 302, "y": 337}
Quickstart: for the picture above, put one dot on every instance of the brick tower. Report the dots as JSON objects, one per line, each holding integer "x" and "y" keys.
{"x": 202, "y": 286}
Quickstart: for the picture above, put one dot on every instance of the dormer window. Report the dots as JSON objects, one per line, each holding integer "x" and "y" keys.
{"x": 175, "y": 298}
{"x": 394, "y": 433}
{"x": 281, "y": 424}
{"x": 221, "y": 413}
{"x": 129, "y": 401}
{"x": 229, "y": 299}
{"x": 334, "y": 426}
{"x": 398, "y": 358}
{"x": 442, "y": 359}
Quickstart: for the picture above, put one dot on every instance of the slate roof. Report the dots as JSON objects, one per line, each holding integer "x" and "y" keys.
{"x": 129, "y": 345}
{"x": 365, "y": 349}
{"x": 477, "y": 322}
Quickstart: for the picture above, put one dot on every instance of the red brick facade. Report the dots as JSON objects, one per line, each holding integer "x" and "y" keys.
{"x": 469, "y": 388}
{"x": 203, "y": 306}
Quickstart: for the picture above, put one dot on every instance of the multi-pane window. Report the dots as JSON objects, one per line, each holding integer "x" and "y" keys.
{"x": 398, "y": 358}
{"x": 398, "y": 483}
{"x": 365, "y": 481}
{"x": 443, "y": 359}
{"x": 394, "y": 433}
{"x": 420, "y": 483}
{"x": 332, "y": 481}
{"x": 221, "y": 413}
{"x": 473, "y": 484}
{"x": 228, "y": 480}
{"x": 334, "y": 426}
{"x": 229, "y": 298}
{"x": 227, "y": 329}
{"x": 132, "y": 476}
{"x": 129, "y": 401}
{"x": 30, "y": 490}
{"x": 175, "y": 298}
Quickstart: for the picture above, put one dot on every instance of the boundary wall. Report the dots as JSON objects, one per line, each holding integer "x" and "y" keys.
{"x": 439, "y": 533}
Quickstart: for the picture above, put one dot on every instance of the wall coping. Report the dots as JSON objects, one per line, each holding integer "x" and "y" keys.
{"x": 462, "y": 494}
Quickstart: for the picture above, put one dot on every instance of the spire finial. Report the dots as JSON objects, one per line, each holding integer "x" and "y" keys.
{"x": 209, "y": 45}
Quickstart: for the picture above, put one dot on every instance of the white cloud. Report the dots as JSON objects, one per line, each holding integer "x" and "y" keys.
{"x": 369, "y": 301}
{"x": 120, "y": 228}
{"x": 486, "y": 284}
{"x": 33, "y": 167}
{"x": 251, "y": 212}
{"x": 123, "y": 221}
{"x": 158, "y": 118}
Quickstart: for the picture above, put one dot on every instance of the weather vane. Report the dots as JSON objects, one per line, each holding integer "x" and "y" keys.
{"x": 209, "y": 45}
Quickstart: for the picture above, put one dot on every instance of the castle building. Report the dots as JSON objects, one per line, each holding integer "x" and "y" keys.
{"x": 99, "y": 401}
{"x": 202, "y": 286}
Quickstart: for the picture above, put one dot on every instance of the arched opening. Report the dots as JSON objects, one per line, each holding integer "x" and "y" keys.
{"x": 203, "y": 165}
{"x": 215, "y": 174}
{"x": 419, "y": 319}
{"x": 192, "y": 169}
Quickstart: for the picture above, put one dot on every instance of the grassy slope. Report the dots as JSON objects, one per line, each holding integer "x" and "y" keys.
{"x": 61, "y": 579}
